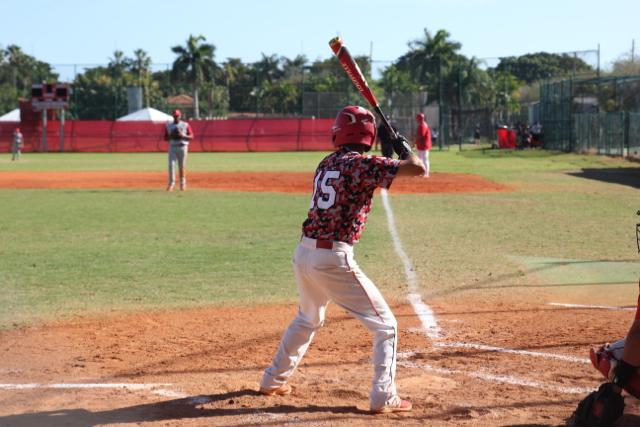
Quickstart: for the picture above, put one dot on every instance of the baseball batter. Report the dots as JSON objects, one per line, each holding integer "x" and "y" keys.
{"x": 178, "y": 133}
{"x": 324, "y": 263}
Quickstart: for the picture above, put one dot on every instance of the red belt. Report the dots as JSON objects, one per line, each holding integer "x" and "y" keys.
{"x": 324, "y": 244}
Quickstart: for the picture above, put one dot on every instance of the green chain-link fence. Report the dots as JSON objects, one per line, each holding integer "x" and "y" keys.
{"x": 600, "y": 116}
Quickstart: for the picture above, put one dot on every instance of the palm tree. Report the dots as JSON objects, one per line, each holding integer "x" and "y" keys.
{"x": 294, "y": 68}
{"x": 118, "y": 65}
{"x": 268, "y": 69}
{"x": 195, "y": 63}
{"x": 18, "y": 63}
{"x": 431, "y": 60}
{"x": 140, "y": 66}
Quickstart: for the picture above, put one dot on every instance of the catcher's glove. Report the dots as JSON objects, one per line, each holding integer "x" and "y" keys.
{"x": 601, "y": 408}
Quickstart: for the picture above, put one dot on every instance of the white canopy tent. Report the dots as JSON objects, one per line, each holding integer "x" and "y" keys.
{"x": 11, "y": 116}
{"x": 146, "y": 114}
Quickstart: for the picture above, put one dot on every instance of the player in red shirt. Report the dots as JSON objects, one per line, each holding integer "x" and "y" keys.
{"x": 619, "y": 363}
{"x": 423, "y": 141}
{"x": 324, "y": 263}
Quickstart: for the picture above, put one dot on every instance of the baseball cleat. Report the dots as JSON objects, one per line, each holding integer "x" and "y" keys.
{"x": 394, "y": 405}
{"x": 283, "y": 390}
{"x": 170, "y": 187}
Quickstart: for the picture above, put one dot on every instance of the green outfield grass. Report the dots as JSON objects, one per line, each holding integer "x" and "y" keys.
{"x": 68, "y": 252}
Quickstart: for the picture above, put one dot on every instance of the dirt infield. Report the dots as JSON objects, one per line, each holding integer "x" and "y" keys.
{"x": 202, "y": 367}
{"x": 280, "y": 182}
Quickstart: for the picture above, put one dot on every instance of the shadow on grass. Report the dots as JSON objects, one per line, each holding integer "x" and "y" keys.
{"x": 493, "y": 282}
{"x": 491, "y": 153}
{"x": 623, "y": 176}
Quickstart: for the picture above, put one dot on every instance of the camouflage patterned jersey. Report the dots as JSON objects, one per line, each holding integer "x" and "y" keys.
{"x": 342, "y": 193}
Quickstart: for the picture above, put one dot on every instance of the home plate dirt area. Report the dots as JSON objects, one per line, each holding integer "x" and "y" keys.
{"x": 496, "y": 363}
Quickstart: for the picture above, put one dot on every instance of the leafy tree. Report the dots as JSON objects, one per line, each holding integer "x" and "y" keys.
{"x": 279, "y": 97}
{"x": 625, "y": 65}
{"x": 240, "y": 82}
{"x": 195, "y": 63}
{"x": 97, "y": 95}
{"x": 507, "y": 96}
{"x": 395, "y": 81}
{"x": 542, "y": 65}
{"x": 18, "y": 71}
{"x": 100, "y": 92}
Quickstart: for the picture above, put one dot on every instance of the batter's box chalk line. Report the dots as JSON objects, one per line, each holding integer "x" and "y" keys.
{"x": 158, "y": 389}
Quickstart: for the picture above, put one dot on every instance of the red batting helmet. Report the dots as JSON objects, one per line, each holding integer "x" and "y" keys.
{"x": 420, "y": 117}
{"x": 354, "y": 125}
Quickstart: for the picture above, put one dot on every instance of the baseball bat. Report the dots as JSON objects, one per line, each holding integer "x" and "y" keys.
{"x": 355, "y": 74}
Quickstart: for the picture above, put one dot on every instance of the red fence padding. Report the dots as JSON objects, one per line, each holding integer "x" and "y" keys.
{"x": 209, "y": 135}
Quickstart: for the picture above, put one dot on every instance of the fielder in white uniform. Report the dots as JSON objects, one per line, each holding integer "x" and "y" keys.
{"x": 16, "y": 145}
{"x": 324, "y": 263}
{"x": 178, "y": 133}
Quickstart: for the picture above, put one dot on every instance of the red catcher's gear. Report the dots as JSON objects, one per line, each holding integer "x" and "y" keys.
{"x": 354, "y": 125}
{"x": 608, "y": 355}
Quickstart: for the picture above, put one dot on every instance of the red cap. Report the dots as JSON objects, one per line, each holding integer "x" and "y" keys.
{"x": 177, "y": 113}
{"x": 420, "y": 116}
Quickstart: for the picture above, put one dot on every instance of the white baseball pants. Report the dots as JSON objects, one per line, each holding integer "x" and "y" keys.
{"x": 325, "y": 275}
{"x": 177, "y": 154}
{"x": 424, "y": 156}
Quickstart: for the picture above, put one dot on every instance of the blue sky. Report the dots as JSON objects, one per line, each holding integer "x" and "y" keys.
{"x": 87, "y": 32}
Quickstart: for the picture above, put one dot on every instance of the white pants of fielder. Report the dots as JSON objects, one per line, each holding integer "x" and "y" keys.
{"x": 424, "y": 156}
{"x": 177, "y": 154}
{"x": 15, "y": 152}
{"x": 325, "y": 275}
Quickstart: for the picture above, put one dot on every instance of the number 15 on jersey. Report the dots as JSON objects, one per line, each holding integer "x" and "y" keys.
{"x": 327, "y": 195}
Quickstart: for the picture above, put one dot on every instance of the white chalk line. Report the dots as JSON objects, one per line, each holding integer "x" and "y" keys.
{"x": 564, "y": 357}
{"x": 504, "y": 379}
{"x": 600, "y": 307}
{"x": 432, "y": 330}
{"x": 158, "y": 389}
{"x": 424, "y": 313}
